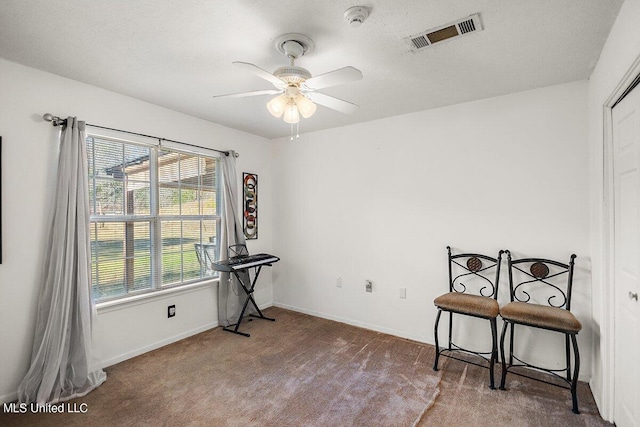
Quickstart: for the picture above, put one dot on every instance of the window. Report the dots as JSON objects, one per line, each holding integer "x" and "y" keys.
{"x": 154, "y": 217}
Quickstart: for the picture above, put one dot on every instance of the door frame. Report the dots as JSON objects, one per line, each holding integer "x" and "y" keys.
{"x": 607, "y": 330}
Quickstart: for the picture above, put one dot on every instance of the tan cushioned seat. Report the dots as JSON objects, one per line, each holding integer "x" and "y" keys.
{"x": 541, "y": 316}
{"x": 474, "y": 305}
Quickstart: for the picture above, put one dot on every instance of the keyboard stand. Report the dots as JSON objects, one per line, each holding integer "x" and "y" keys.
{"x": 249, "y": 291}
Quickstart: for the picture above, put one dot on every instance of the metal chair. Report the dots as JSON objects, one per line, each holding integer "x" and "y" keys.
{"x": 539, "y": 301}
{"x": 473, "y": 289}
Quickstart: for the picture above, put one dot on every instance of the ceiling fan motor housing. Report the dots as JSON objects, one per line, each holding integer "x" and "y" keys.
{"x": 292, "y": 75}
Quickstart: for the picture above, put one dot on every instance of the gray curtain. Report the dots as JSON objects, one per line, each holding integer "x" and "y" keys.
{"x": 231, "y": 296}
{"x": 62, "y": 363}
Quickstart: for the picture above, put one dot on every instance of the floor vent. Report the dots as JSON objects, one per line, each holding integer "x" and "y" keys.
{"x": 462, "y": 27}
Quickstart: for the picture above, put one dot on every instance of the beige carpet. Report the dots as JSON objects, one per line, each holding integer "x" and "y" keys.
{"x": 306, "y": 371}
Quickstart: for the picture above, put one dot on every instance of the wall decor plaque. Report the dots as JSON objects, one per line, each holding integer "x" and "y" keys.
{"x": 250, "y": 208}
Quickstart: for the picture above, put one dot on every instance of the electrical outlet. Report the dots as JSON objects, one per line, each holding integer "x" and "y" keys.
{"x": 339, "y": 282}
{"x": 403, "y": 293}
{"x": 368, "y": 285}
{"x": 171, "y": 311}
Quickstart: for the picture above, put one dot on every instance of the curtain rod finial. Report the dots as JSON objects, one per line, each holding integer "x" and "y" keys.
{"x": 55, "y": 120}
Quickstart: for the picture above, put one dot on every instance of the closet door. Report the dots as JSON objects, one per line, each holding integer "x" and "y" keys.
{"x": 626, "y": 170}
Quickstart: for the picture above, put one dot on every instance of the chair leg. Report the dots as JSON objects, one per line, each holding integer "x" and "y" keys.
{"x": 576, "y": 372}
{"x": 494, "y": 351}
{"x": 504, "y": 361}
{"x": 568, "y": 356}
{"x": 513, "y": 328}
{"x": 450, "y": 330}
{"x": 435, "y": 334}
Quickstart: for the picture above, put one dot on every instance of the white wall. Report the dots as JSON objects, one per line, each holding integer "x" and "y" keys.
{"x": 377, "y": 200}
{"x": 29, "y": 156}
{"x": 381, "y": 200}
{"x": 620, "y": 51}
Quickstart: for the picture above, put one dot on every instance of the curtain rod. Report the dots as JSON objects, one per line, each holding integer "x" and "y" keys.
{"x": 57, "y": 121}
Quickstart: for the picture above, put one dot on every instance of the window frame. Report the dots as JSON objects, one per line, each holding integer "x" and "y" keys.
{"x": 155, "y": 220}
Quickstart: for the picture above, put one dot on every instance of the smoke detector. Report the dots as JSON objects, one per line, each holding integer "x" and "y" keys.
{"x": 355, "y": 16}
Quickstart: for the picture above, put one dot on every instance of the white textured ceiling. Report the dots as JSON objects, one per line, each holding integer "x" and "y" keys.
{"x": 178, "y": 54}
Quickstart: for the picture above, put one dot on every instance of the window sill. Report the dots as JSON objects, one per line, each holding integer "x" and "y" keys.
{"x": 123, "y": 303}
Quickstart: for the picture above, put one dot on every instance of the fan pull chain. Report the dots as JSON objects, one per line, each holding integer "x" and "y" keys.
{"x": 297, "y": 131}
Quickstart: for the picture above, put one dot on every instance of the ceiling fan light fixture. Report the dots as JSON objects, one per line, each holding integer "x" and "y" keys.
{"x": 277, "y": 105}
{"x": 306, "y": 107}
{"x": 295, "y": 88}
{"x": 291, "y": 114}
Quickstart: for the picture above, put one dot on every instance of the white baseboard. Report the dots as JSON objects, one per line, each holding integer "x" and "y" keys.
{"x": 597, "y": 397}
{"x": 352, "y": 322}
{"x": 156, "y": 345}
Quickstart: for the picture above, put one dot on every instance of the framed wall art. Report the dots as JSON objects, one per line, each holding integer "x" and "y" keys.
{"x": 250, "y": 208}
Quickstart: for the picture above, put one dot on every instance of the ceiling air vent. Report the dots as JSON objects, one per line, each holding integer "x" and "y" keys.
{"x": 462, "y": 27}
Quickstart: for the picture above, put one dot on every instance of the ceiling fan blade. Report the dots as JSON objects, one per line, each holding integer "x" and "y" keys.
{"x": 333, "y": 78}
{"x": 252, "y": 93}
{"x": 332, "y": 102}
{"x": 260, "y": 73}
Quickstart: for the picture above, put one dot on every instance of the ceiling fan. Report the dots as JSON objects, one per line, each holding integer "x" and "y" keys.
{"x": 295, "y": 86}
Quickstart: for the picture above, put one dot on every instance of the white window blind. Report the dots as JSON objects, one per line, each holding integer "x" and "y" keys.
{"x": 154, "y": 217}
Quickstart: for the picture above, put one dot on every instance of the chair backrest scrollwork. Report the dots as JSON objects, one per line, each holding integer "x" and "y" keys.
{"x": 474, "y": 273}
{"x": 541, "y": 280}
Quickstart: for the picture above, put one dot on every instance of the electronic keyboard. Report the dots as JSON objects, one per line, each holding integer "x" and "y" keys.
{"x": 243, "y": 262}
